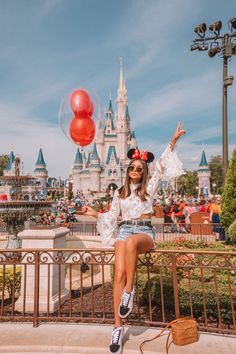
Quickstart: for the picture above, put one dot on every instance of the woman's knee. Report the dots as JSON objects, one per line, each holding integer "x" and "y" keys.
{"x": 131, "y": 244}
{"x": 120, "y": 275}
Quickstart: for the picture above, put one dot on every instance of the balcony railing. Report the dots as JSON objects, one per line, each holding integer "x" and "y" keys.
{"x": 170, "y": 284}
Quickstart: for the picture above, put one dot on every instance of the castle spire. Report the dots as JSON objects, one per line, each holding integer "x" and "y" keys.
{"x": 122, "y": 92}
{"x": 10, "y": 161}
{"x": 203, "y": 159}
{"x": 40, "y": 160}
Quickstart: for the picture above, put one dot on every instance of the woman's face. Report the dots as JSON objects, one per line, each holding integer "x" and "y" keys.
{"x": 135, "y": 171}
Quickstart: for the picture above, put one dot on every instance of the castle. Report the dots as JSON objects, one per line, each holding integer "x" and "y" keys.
{"x": 105, "y": 166}
{"x": 32, "y": 187}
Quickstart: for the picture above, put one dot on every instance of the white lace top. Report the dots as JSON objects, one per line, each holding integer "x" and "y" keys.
{"x": 132, "y": 207}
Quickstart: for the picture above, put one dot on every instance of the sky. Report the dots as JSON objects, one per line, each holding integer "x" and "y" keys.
{"x": 51, "y": 47}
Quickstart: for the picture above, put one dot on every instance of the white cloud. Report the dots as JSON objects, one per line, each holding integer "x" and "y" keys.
{"x": 27, "y": 136}
{"x": 185, "y": 98}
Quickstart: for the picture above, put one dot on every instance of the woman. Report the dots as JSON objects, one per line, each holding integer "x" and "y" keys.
{"x": 134, "y": 201}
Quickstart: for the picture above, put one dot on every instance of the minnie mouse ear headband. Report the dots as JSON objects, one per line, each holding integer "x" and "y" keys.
{"x": 135, "y": 154}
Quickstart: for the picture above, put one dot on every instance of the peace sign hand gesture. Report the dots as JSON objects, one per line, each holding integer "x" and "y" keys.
{"x": 177, "y": 134}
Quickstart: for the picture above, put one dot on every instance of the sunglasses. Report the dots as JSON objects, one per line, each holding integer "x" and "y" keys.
{"x": 133, "y": 169}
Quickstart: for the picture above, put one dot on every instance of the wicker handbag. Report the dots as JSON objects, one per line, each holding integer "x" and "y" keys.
{"x": 184, "y": 331}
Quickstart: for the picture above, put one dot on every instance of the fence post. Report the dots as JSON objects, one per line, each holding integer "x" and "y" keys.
{"x": 175, "y": 286}
{"x": 36, "y": 289}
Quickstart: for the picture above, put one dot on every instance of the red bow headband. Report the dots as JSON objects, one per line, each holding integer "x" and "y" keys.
{"x": 135, "y": 154}
{"x": 143, "y": 155}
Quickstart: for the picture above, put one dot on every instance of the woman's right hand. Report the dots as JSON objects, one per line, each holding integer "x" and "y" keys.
{"x": 87, "y": 210}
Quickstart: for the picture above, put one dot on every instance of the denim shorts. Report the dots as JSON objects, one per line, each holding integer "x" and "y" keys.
{"x": 124, "y": 231}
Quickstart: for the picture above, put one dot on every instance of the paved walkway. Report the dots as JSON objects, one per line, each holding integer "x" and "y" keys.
{"x": 69, "y": 338}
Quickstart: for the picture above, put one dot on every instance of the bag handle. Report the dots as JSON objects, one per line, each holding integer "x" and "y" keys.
{"x": 162, "y": 331}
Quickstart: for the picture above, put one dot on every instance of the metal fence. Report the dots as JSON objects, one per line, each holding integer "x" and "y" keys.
{"x": 3, "y": 230}
{"x": 164, "y": 232}
{"x": 68, "y": 285}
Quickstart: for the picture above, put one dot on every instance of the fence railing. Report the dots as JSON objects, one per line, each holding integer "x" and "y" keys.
{"x": 3, "y": 229}
{"x": 164, "y": 232}
{"x": 68, "y": 285}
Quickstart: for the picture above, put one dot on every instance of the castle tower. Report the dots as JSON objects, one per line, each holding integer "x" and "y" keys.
{"x": 121, "y": 120}
{"x": 110, "y": 126}
{"x": 76, "y": 170}
{"x": 95, "y": 170}
{"x": 41, "y": 173}
{"x": 99, "y": 139}
{"x": 107, "y": 162}
{"x": 204, "y": 175}
{"x": 9, "y": 170}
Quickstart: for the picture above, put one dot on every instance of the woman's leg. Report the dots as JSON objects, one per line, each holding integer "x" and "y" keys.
{"x": 135, "y": 245}
{"x": 119, "y": 278}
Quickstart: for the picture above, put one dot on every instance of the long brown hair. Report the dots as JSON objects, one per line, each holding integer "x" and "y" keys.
{"x": 125, "y": 190}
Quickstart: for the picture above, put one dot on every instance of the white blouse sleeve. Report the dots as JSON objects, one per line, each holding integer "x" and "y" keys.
{"x": 167, "y": 166}
{"x": 153, "y": 182}
{"x": 107, "y": 222}
{"x": 172, "y": 166}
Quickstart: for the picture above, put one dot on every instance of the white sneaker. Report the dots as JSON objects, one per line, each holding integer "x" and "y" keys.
{"x": 127, "y": 302}
{"x": 116, "y": 344}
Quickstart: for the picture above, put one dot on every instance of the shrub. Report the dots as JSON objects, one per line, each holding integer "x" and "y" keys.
{"x": 210, "y": 299}
{"x": 194, "y": 276}
{"x": 232, "y": 232}
{"x": 229, "y": 195}
{"x": 10, "y": 283}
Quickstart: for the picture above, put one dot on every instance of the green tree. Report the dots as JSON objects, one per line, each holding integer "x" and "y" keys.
{"x": 216, "y": 168}
{"x": 3, "y": 163}
{"x": 229, "y": 194}
{"x": 187, "y": 183}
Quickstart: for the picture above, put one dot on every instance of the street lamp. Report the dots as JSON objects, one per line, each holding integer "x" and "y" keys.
{"x": 225, "y": 46}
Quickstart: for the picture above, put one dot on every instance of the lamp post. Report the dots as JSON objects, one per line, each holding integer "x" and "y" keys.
{"x": 225, "y": 46}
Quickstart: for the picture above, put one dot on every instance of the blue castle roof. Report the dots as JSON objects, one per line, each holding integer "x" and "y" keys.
{"x": 110, "y": 109}
{"x": 133, "y": 135}
{"x": 203, "y": 160}
{"x": 111, "y": 150}
{"x": 109, "y": 115}
{"x": 127, "y": 113}
{"x": 89, "y": 158}
{"x": 95, "y": 153}
{"x": 78, "y": 158}
{"x": 10, "y": 161}
{"x": 40, "y": 160}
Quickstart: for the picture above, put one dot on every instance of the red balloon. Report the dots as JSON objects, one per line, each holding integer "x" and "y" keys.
{"x": 80, "y": 102}
{"x": 82, "y": 130}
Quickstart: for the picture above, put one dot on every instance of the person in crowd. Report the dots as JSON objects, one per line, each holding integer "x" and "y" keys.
{"x": 167, "y": 211}
{"x": 134, "y": 202}
{"x": 188, "y": 210}
{"x": 202, "y": 206}
{"x": 215, "y": 216}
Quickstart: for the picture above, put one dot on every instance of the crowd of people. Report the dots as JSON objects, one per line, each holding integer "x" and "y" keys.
{"x": 177, "y": 209}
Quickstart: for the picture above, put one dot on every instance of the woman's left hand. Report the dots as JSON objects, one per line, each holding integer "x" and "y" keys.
{"x": 177, "y": 134}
